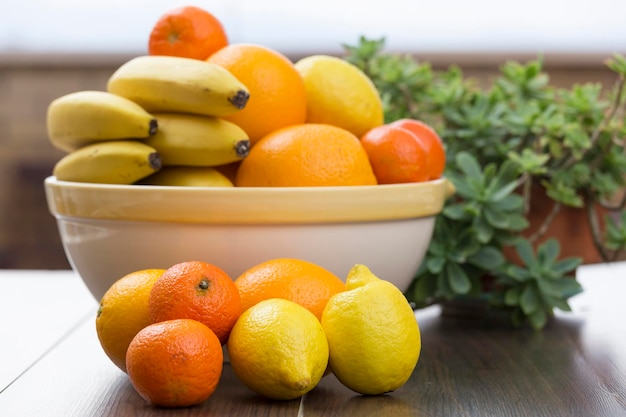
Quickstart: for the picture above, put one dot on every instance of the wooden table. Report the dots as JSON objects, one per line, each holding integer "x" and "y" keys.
{"x": 52, "y": 365}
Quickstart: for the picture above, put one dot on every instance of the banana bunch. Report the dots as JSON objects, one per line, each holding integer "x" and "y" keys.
{"x": 160, "y": 115}
{"x": 182, "y": 85}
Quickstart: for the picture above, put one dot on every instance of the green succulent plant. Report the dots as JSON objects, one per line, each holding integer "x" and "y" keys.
{"x": 501, "y": 141}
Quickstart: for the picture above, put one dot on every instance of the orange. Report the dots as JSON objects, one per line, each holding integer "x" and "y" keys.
{"x": 229, "y": 170}
{"x": 302, "y": 282}
{"x": 189, "y": 32}
{"x": 396, "y": 155}
{"x": 196, "y": 290}
{"x": 432, "y": 143}
{"x": 277, "y": 92}
{"x": 124, "y": 312}
{"x": 306, "y": 155}
{"x": 175, "y": 363}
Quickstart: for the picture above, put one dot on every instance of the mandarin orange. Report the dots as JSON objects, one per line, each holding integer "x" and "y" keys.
{"x": 189, "y": 32}
{"x": 175, "y": 363}
{"x": 432, "y": 144}
{"x": 196, "y": 290}
{"x": 396, "y": 155}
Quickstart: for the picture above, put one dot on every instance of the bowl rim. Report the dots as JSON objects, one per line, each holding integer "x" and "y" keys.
{"x": 245, "y": 205}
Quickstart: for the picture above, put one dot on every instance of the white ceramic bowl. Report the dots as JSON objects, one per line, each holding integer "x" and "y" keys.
{"x": 110, "y": 230}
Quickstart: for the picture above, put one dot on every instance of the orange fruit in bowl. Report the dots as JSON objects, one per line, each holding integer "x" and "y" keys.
{"x": 175, "y": 363}
{"x": 432, "y": 143}
{"x": 306, "y": 155}
{"x": 396, "y": 155}
{"x": 123, "y": 312}
{"x": 189, "y": 32}
{"x": 196, "y": 290}
{"x": 305, "y": 283}
{"x": 277, "y": 92}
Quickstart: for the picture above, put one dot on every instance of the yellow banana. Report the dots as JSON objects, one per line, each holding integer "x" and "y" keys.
{"x": 176, "y": 84}
{"x": 188, "y": 177}
{"x": 84, "y": 117}
{"x": 193, "y": 140}
{"x": 109, "y": 162}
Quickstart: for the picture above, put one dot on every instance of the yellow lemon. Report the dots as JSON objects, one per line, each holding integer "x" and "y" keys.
{"x": 373, "y": 336}
{"x": 278, "y": 349}
{"x": 340, "y": 94}
{"x": 124, "y": 312}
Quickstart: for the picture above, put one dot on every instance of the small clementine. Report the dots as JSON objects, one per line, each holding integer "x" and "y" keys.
{"x": 277, "y": 92}
{"x": 432, "y": 143}
{"x": 302, "y": 282}
{"x": 396, "y": 155}
{"x": 175, "y": 363}
{"x": 196, "y": 290}
{"x": 306, "y": 155}
{"x": 189, "y": 32}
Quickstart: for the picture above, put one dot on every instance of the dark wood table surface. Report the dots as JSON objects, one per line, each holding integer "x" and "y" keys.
{"x": 52, "y": 365}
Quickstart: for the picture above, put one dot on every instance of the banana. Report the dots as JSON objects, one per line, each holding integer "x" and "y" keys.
{"x": 176, "y": 84}
{"x": 109, "y": 162}
{"x": 84, "y": 117}
{"x": 193, "y": 140}
{"x": 188, "y": 177}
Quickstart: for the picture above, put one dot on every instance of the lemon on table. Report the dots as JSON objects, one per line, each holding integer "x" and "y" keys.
{"x": 373, "y": 336}
{"x": 123, "y": 312}
{"x": 340, "y": 94}
{"x": 278, "y": 349}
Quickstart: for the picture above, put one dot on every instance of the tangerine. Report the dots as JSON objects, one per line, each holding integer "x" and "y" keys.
{"x": 306, "y": 155}
{"x": 432, "y": 143}
{"x": 189, "y": 32}
{"x": 277, "y": 92}
{"x": 196, "y": 290}
{"x": 175, "y": 363}
{"x": 302, "y": 282}
{"x": 396, "y": 155}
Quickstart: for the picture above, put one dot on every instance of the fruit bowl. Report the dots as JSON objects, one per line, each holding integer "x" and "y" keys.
{"x": 108, "y": 231}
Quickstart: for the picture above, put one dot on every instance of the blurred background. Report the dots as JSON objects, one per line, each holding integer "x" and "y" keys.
{"x": 53, "y": 47}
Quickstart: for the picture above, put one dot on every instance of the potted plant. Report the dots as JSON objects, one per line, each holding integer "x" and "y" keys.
{"x": 513, "y": 148}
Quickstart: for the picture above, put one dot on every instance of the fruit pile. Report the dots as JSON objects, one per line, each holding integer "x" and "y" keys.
{"x": 285, "y": 324}
{"x": 200, "y": 111}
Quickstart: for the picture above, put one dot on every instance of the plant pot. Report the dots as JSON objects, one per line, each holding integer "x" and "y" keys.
{"x": 570, "y": 227}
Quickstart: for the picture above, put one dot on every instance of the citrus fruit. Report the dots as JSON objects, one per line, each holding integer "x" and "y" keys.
{"x": 396, "y": 155}
{"x": 188, "y": 176}
{"x": 302, "y": 282}
{"x": 372, "y": 333}
{"x": 189, "y": 32}
{"x": 196, "y": 290}
{"x": 175, "y": 363}
{"x": 340, "y": 94}
{"x": 306, "y": 155}
{"x": 278, "y": 349}
{"x": 277, "y": 94}
{"x": 432, "y": 143}
{"x": 123, "y": 312}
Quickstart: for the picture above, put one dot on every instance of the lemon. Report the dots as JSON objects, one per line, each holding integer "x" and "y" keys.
{"x": 123, "y": 312}
{"x": 373, "y": 336}
{"x": 278, "y": 349}
{"x": 340, "y": 94}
